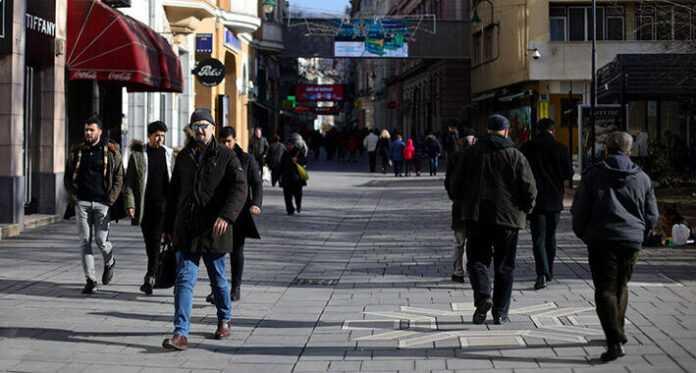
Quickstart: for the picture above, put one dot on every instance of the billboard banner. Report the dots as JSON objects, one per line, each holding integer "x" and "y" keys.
{"x": 324, "y": 92}
{"x": 380, "y": 38}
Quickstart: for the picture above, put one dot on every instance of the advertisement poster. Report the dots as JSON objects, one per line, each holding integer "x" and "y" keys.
{"x": 381, "y": 38}
{"x": 607, "y": 120}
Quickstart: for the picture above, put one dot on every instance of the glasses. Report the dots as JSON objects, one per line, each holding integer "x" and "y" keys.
{"x": 200, "y": 126}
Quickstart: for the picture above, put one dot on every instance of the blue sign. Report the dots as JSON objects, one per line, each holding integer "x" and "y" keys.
{"x": 231, "y": 41}
{"x": 204, "y": 43}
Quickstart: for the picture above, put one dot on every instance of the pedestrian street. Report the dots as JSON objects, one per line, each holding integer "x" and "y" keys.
{"x": 359, "y": 281}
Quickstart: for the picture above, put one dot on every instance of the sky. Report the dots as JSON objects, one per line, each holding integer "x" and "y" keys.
{"x": 325, "y": 5}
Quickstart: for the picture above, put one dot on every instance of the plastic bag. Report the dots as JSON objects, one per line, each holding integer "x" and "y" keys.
{"x": 266, "y": 175}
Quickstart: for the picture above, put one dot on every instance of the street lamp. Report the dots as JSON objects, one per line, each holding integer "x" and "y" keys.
{"x": 269, "y": 6}
{"x": 476, "y": 18}
{"x": 593, "y": 89}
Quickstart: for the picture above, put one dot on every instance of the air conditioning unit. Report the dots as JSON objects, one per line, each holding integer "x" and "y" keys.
{"x": 117, "y": 3}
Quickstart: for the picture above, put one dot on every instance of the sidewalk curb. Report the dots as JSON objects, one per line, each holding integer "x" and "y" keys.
{"x": 30, "y": 222}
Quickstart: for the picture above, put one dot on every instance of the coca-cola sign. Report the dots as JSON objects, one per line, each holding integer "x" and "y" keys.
{"x": 210, "y": 72}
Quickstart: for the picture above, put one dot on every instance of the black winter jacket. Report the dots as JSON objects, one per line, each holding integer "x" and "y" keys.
{"x": 493, "y": 183}
{"x": 551, "y": 165}
{"x": 245, "y": 223}
{"x": 201, "y": 191}
{"x": 615, "y": 202}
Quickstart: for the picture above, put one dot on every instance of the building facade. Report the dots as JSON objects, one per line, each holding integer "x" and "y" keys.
{"x": 532, "y": 59}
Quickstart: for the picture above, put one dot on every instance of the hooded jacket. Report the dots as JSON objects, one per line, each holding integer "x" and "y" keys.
{"x": 136, "y": 177}
{"x": 409, "y": 150}
{"x": 493, "y": 183}
{"x": 615, "y": 202}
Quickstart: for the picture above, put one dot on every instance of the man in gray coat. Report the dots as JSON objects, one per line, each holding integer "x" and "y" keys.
{"x": 495, "y": 188}
{"x": 613, "y": 210}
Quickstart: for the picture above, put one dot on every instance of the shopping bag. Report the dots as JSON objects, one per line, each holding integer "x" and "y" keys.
{"x": 266, "y": 175}
{"x": 165, "y": 272}
{"x": 304, "y": 175}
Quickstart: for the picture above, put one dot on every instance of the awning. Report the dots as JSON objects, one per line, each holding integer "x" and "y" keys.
{"x": 106, "y": 45}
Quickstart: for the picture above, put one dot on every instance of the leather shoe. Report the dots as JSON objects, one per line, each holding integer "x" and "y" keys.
{"x": 540, "y": 283}
{"x": 458, "y": 278}
{"x": 614, "y": 351}
{"x": 482, "y": 309}
{"x": 210, "y": 298}
{"x": 175, "y": 343}
{"x": 223, "y": 330}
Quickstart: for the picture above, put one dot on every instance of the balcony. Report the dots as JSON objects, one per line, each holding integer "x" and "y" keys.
{"x": 182, "y": 9}
{"x": 270, "y": 37}
{"x": 572, "y": 60}
{"x": 242, "y": 16}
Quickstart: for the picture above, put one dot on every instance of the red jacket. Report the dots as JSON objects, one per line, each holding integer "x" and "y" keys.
{"x": 409, "y": 150}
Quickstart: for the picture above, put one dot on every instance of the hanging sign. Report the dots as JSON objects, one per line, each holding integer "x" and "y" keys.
{"x": 204, "y": 43}
{"x": 210, "y": 72}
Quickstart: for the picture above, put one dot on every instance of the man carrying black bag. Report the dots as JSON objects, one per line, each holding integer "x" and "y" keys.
{"x": 147, "y": 182}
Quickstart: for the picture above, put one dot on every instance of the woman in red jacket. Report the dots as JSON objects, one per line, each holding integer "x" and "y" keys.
{"x": 409, "y": 155}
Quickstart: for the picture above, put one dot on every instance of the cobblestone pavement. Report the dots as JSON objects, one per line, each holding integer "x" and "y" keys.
{"x": 358, "y": 282}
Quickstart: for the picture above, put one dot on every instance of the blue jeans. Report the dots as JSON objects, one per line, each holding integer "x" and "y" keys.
{"x": 186, "y": 276}
{"x": 93, "y": 225}
{"x": 434, "y": 165}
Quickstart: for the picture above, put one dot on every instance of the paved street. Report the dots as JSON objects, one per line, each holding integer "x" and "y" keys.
{"x": 358, "y": 282}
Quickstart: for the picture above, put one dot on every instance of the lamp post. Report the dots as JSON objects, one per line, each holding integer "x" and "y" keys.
{"x": 593, "y": 89}
{"x": 475, "y": 18}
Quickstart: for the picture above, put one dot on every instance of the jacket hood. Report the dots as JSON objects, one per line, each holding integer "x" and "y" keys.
{"x": 495, "y": 142}
{"x": 137, "y": 146}
{"x": 409, "y": 142}
{"x": 618, "y": 167}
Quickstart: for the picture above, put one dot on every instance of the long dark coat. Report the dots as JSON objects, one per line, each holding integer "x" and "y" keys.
{"x": 204, "y": 187}
{"x": 245, "y": 225}
{"x": 551, "y": 165}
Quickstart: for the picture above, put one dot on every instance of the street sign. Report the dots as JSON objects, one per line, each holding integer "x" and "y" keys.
{"x": 210, "y": 72}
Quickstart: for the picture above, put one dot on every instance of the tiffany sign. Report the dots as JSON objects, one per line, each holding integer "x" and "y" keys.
{"x": 5, "y": 26}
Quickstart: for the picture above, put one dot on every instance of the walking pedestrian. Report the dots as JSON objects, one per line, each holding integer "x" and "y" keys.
{"x": 384, "y": 149}
{"x": 290, "y": 179}
{"x": 552, "y": 167}
{"x": 275, "y": 154}
{"x": 259, "y": 147}
{"x": 396, "y": 154}
{"x": 433, "y": 149}
{"x": 370, "y": 144}
{"x": 94, "y": 179}
{"x": 496, "y": 188}
{"x": 207, "y": 193}
{"x": 409, "y": 155}
{"x": 613, "y": 211}
{"x": 244, "y": 226}
{"x": 150, "y": 168}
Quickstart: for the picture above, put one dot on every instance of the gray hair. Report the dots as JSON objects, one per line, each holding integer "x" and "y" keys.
{"x": 620, "y": 141}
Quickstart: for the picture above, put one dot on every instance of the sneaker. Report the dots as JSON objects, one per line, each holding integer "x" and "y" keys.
{"x": 90, "y": 287}
{"x": 175, "y": 343}
{"x": 223, "y": 330}
{"x": 108, "y": 274}
{"x": 501, "y": 320}
{"x": 458, "y": 278}
{"x": 236, "y": 294}
{"x": 482, "y": 309}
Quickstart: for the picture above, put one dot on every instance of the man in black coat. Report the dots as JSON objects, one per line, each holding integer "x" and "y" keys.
{"x": 245, "y": 226}
{"x": 613, "y": 211}
{"x": 208, "y": 191}
{"x": 496, "y": 190}
{"x": 290, "y": 179}
{"x": 552, "y": 166}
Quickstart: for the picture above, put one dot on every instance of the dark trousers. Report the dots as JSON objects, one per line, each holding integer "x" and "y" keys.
{"x": 612, "y": 267}
{"x": 373, "y": 160}
{"x": 275, "y": 175}
{"x": 397, "y": 167}
{"x": 151, "y": 226}
{"x": 486, "y": 242}
{"x": 292, "y": 192}
{"x": 237, "y": 260}
{"x": 385, "y": 163}
{"x": 543, "y": 227}
{"x": 408, "y": 166}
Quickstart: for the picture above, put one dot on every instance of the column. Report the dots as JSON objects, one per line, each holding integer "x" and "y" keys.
{"x": 12, "y": 123}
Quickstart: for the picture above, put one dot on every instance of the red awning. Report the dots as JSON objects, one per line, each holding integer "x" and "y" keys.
{"x": 104, "y": 44}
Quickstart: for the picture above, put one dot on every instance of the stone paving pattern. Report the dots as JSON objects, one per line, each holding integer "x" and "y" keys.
{"x": 363, "y": 244}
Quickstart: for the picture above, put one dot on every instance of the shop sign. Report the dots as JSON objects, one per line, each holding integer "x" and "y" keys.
{"x": 40, "y": 23}
{"x": 210, "y": 72}
{"x": 607, "y": 120}
{"x": 231, "y": 41}
{"x": 5, "y": 26}
{"x": 325, "y": 92}
{"x": 204, "y": 43}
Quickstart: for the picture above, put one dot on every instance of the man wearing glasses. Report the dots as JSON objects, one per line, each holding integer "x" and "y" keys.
{"x": 207, "y": 192}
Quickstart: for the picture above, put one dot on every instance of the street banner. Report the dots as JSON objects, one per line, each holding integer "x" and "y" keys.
{"x": 320, "y": 92}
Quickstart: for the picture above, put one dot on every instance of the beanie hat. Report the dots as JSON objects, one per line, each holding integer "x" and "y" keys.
{"x": 202, "y": 115}
{"x": 497, "y": 122}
